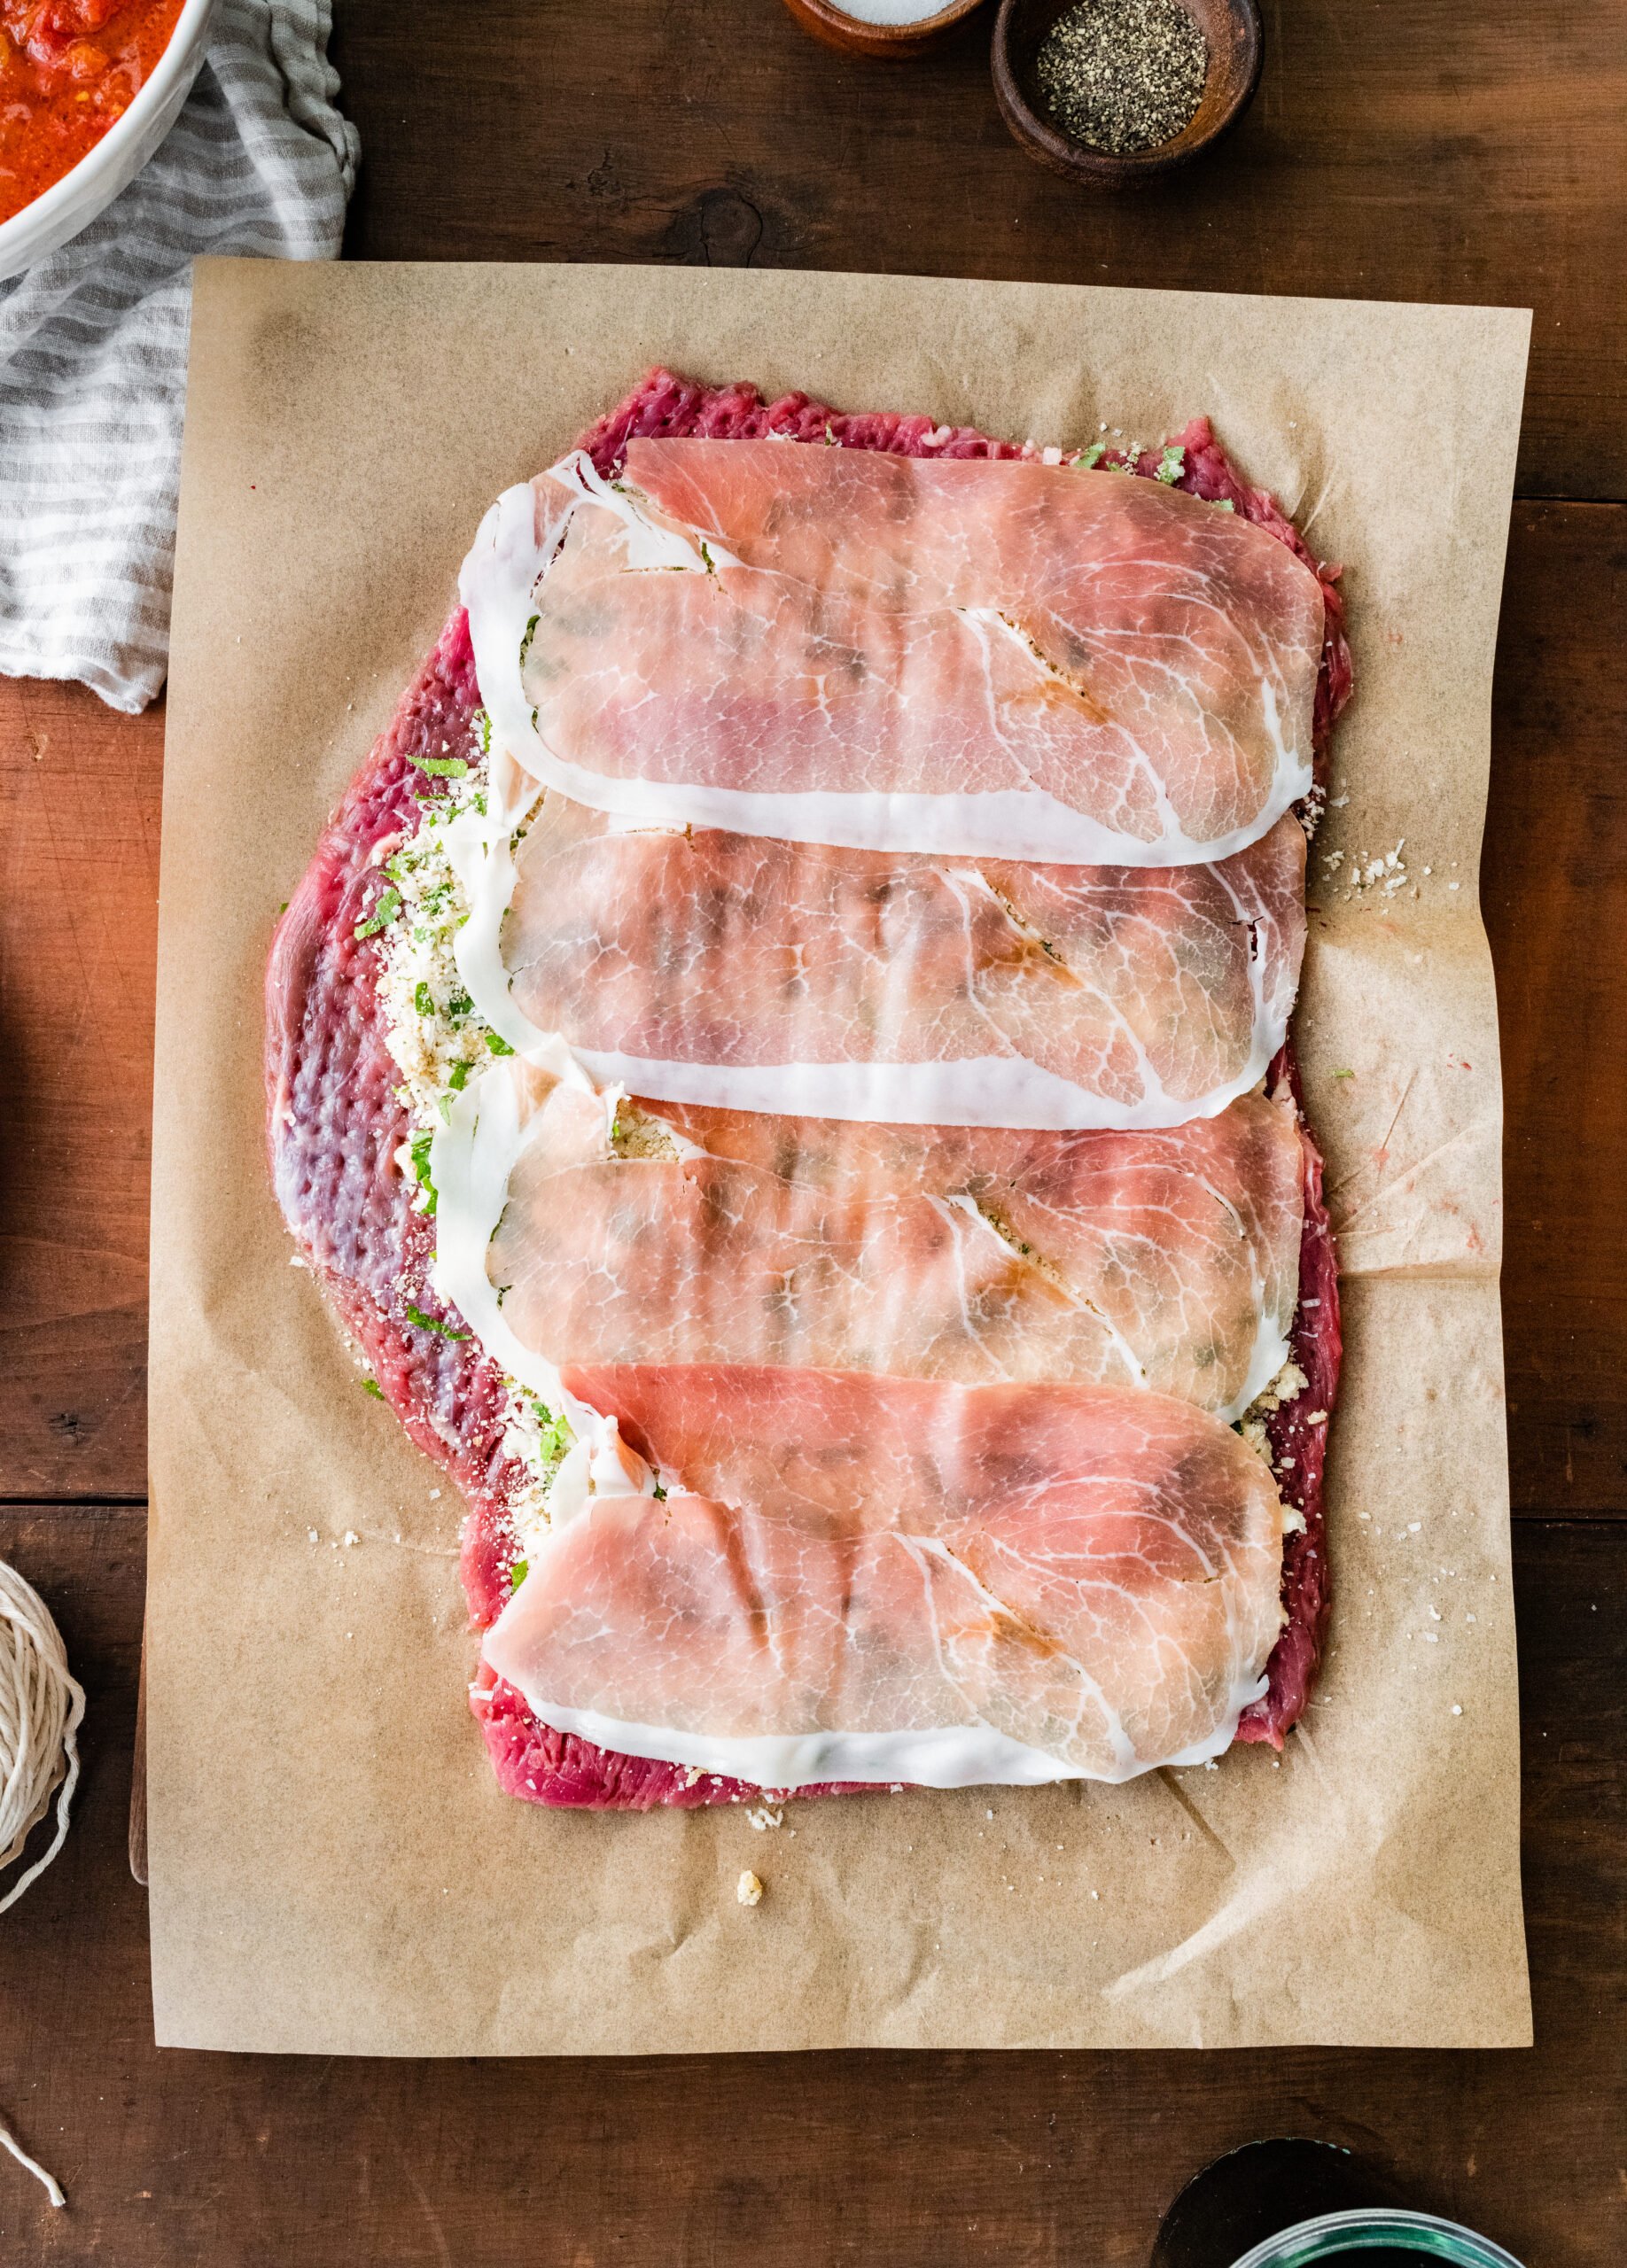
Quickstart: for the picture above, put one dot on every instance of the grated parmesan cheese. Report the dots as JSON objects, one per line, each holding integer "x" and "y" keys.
{"x": 1384, "y": 875}
{"x": 1289, "y": 1383}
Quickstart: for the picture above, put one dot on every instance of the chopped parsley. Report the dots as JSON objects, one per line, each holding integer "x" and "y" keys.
{"x": 457, "y": 1078}
{"x": 429, "y": 1323}
{"x": 1345, "y": 1075}
{"x": 530, "y": 631}
{"x": 1093, "y": 456}
{"x": 421, "y": 1167}
{"x": 1171, "y": 464}
{"x": 517, "y": 1573}
{"x": 497, "y": 1044}
{"x": 372, "y": 1386}
{"x": 554, "y": 1438}
{"x": 385, "y": 907}
{"x": 424, "y": 1000}
{"x": 440, "y": 767}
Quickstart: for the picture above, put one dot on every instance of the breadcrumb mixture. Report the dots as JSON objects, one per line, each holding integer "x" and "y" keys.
{"x": 439, "y": 1039}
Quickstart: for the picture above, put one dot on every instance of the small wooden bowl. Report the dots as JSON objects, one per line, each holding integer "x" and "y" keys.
{"x": 1236, "y": 50}
{"x": 895, "y": 42}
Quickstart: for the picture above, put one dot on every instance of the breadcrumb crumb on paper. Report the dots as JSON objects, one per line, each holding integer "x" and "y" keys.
{"x": 749, "y": 1888}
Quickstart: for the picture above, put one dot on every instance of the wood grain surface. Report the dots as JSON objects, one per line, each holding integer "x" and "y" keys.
{"x": 1396, "y": 150}
{"x": 1407, "y": 149}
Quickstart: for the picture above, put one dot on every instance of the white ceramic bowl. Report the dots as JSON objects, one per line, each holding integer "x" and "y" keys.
{"x": 64, "y": 209}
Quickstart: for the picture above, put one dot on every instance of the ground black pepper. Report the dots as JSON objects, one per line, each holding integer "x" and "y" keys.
{"x": 1122, "y": 75}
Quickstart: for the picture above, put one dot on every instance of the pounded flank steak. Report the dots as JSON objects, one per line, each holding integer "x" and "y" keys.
{"x": 341, "y": 1134}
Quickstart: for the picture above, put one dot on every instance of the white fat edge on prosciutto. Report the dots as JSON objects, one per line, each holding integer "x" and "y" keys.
{"x": 973, "y": 1755}
{"x": 976, "y": 1090}
{"x": 512, "y": 550}
{"x": 969, "y": 1756}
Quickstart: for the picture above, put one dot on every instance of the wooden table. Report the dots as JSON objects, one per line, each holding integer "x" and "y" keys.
{"x": 1399, "y": 148}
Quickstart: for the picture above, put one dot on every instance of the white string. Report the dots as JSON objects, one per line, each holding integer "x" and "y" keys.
{"x": 53, "y": 2187}
{"x": 42, "y": 1707}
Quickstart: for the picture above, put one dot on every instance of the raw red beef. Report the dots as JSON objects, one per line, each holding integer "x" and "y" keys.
{"x": 335, "y": 1124}
{"x": 1317, "y": 1347}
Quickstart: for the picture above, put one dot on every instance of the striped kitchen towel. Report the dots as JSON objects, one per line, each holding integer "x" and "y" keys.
{"x": 93, "y": 348}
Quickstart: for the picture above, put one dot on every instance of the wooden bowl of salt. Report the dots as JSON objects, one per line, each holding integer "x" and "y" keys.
{"x": 1111, "y": 92}
{"x": 891, "y": 30}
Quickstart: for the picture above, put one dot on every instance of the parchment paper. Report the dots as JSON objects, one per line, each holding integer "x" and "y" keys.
{"x": 332, "y": 1866}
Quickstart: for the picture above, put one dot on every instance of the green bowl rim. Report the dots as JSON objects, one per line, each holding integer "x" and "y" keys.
{"x": 1380, "y": 2223}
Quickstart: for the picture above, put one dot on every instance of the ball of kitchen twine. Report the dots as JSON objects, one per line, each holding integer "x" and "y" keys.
{"x": 42, "y": 1706}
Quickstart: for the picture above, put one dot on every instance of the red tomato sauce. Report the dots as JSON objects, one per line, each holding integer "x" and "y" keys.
{"x": 68, "y": 69}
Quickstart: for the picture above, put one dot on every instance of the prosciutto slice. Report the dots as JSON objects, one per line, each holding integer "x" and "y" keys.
{"x": 884, "y": 652}
{"x": 1168, "y": 1261}
{"x": 889, "y": 1580}
{"x": 750, "y": 974}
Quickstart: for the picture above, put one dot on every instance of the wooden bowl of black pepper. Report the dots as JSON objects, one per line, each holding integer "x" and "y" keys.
{"x": 1111, "y": 92}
